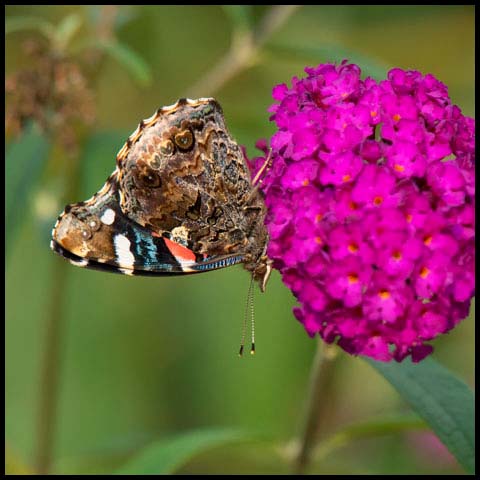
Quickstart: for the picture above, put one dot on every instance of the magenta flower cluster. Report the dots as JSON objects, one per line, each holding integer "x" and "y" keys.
{"x": 370, "y": 198}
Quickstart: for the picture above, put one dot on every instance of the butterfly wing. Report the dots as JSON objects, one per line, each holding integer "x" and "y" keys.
{"x": 96, "y": 234}
{"x": 182, "y": 173}
{"x": 179, "y": 201}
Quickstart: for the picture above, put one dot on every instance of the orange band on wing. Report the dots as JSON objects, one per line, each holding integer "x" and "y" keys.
{"x": 179, "y": 251}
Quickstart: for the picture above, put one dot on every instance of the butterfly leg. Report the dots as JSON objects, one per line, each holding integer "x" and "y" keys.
{"x": 266, "y": 165}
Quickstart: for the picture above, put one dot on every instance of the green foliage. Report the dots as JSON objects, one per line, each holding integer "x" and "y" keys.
{"x": 66, "y": 30}
{"x": 375, "y": 427}
{"x": 168, "y": 455}
{"x": 60, "y": 36}
{"x": 24, "y": 163}
{"x": 130, "y": 60}
{"x": 19, "y": 23}
{"x": 441, "y": 399}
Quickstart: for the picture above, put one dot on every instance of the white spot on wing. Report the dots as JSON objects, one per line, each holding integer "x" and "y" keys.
{"x": 125, "y": 258}
{"x": 126, "y": 271}
{"x": 186, "y": 268}
{"x": 79, "y": 263}
{"x": 108, "y": 216}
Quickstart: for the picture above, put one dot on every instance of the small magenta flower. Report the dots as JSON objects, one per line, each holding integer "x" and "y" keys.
{"x": 370, "y": 198}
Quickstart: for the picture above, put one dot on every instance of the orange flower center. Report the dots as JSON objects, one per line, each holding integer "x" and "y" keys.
{"x": 352, "y": 248}
{"x": 353, "y": 278}
{"x": 377, "y": 201}
{"x": 424, "y": 272}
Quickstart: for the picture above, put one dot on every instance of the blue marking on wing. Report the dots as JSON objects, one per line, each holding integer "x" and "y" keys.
{"x": 145, "y": 248}
{"x": 147, "y": 255}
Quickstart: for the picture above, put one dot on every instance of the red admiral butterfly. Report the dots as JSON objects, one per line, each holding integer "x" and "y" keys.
{"x": 180, "y": 201}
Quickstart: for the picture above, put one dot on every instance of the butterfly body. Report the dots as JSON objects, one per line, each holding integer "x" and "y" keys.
{"x": 180, "y": 200}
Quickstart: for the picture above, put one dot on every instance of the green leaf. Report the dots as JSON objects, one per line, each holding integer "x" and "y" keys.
{"x": 441, "y": 399}
{"x": 333, "y": 53}
{"x": 24, "y": 164}
{"x": 130, "y": 59}
{"x": 18, "y": 23}
{"x": 371, "y": 428}
{"x": 66, "y": 29}
{"x": 168, "y": 455}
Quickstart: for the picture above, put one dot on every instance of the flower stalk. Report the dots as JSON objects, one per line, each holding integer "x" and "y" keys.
{"x": 321, "y": 377}
{"x": 50, "y": 373}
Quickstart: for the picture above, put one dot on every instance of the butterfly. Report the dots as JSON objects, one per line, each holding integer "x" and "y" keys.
{"x": 181, "y": 200}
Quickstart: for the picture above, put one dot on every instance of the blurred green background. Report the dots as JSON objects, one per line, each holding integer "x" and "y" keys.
{"x": 142, "y": 359}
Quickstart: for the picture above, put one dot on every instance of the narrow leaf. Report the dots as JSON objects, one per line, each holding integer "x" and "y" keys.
{"x": 18, "y": 23}
{"x": 168, "y": 455}
{"x": 24, "y": 164}
{"x": 441, "y": 399}
{"x": 66, "y": 29}
{"x": 131, "y": 60}
{"x": 371, "y": 428}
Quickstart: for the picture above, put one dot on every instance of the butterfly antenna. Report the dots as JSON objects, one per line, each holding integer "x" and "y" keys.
{"x": 266, "y": 164}
{"x": 244, "y": 328}
{"x": 252, "y": 311}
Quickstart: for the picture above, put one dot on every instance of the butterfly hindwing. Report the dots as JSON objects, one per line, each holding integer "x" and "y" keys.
{"x": 96, "y": 234}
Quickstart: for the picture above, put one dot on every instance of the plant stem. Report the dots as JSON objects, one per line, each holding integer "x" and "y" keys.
{"x": 49, "y": 376}
{"x": 319, "y": 386}
{"x": 243, "y": 52}
{"x": 51, "y": 362}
